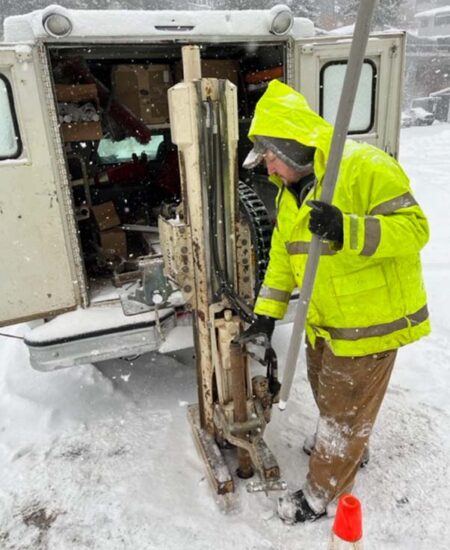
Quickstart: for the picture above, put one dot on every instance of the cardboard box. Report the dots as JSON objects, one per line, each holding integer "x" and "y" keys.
{"x": 81, "y": 131}
{"x": 105, "y": 215}
{"x": 221, "y": 68}
{"x": 143, "y": 89}
{"x": 114, "y": 242}
{"x": 79, "y": 94}
{"x": 227, "y": 69}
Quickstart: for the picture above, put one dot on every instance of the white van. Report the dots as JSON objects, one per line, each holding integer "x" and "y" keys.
{"x": 87, "y": 165}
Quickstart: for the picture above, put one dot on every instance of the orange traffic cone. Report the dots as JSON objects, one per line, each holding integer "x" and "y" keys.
{"x": 347, "y": 527}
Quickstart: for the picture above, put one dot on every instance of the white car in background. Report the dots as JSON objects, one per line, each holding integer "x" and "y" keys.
{"x": 421, "y": 117}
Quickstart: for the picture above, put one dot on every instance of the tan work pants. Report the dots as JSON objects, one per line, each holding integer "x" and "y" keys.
{"x": 348, "y": 392}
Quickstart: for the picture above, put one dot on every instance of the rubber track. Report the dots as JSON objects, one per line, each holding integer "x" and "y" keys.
{"x": 261, "y": 227}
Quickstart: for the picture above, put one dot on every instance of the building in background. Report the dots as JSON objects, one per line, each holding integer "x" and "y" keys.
{"x": 435, "y": 22}
{"x": 428, "y": 51}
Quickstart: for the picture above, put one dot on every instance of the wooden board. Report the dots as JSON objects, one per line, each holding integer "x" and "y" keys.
{"x": 76, "y": 93}
{"x": 81, "y": 131}
{"x": 267, "y": 459}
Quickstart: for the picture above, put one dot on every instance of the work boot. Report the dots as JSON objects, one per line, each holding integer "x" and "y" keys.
{"x": 310, "y": 443}
{"x": 294, "y": 508}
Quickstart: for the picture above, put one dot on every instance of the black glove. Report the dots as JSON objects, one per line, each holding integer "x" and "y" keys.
{"x": 326, "y": 221}
{"x": 262, "y": 326}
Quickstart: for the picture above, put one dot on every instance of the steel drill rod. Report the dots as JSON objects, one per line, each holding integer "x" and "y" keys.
{"x": 349, "y": 89}
{"x": 239, "y": 392}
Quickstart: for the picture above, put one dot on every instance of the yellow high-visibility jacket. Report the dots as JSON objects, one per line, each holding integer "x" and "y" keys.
{"x": 369, "y": 295}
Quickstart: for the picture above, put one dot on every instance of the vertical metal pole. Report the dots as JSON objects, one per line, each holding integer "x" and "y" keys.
{"x": 349, "y": 89}
{"x": 185, "y": 108}
{"x": 193, "y": 107}
{"x": 192, "y": 69}
{"x": 239, "y": 393}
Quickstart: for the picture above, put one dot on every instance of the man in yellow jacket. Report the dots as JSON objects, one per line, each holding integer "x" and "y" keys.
{"x": 368, "y": 298}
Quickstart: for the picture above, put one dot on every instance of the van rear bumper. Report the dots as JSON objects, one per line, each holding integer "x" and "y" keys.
{"x": 53, "y": 348}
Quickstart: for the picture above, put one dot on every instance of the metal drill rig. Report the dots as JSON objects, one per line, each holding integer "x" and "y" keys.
{"x": 208, "y": 255}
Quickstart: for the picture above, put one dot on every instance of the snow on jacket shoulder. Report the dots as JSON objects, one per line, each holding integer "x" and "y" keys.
{"x": 368, "y": 296}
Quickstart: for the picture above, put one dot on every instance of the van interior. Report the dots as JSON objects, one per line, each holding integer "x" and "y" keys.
{"x": 122, "y": 166}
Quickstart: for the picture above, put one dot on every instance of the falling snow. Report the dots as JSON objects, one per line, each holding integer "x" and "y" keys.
{"x": 101, "y": 457}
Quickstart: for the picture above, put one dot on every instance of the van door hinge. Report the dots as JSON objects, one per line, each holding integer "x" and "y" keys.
{"x": 308, "y": 48}
{"x": 24, "y": 54}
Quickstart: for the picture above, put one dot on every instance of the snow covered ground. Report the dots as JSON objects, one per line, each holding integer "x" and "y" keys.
{"x": 102, "y": 458}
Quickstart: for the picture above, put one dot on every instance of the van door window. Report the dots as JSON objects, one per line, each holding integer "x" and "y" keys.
{"x": 111, "y": 152}
{"x": 331, "y": 83}
{"x": 10, "y": 143}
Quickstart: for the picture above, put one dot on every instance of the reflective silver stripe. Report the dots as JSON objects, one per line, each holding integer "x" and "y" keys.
{"x": 302, "y": 247}
{"x": 297, "y": 247}
{"x": 372, "y": 235}
{"x": 353, "y": 231}
{"x": 379, "y": 330}
{"x": 388, "y": 207}
{"x": 274, "y": 294}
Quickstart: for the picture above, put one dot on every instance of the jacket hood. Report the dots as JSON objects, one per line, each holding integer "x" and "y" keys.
{"x": 283, "y": 112}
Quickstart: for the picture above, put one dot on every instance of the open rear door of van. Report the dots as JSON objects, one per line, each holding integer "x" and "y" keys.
{"x": 38, "y": 239}
{"x": 318, "y": 71}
